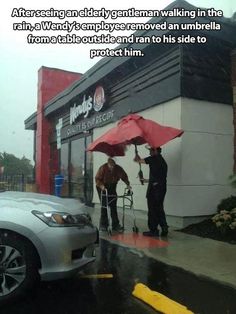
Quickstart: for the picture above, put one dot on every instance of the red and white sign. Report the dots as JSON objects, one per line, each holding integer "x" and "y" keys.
{"x": 98, "y": 98}
{"x": 95, "y": 103}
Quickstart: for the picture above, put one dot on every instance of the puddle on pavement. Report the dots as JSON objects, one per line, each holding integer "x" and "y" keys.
{"x": 114, "y": 295}
{"x": 130, "y": 266}
{"x": 139, "y": 241}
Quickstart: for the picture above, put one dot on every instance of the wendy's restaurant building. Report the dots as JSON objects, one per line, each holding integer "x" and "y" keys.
{"x": 187, "y": 86}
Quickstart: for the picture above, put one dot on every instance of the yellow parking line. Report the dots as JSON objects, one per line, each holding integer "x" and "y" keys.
{"x": 158, "y": 301}
{"x": 97, "y": 276}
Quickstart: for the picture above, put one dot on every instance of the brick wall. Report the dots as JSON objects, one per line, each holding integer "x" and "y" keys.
{"x": 50, "y": 82}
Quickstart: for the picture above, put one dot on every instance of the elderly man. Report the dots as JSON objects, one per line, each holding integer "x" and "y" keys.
{"x": 156, "y": 191}
{"x": 107, "y": 178}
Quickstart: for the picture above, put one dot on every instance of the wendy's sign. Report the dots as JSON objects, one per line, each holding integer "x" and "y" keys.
{"x": 96, "y": 103}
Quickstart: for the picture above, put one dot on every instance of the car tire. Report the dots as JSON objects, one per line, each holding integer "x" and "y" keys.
{"x": 18, "y": 266}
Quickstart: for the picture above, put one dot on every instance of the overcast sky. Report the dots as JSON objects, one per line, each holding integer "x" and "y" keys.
{"x": 20, "y": 61}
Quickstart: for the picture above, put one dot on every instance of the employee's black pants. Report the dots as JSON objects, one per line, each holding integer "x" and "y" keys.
{"x": 155, "y": 200}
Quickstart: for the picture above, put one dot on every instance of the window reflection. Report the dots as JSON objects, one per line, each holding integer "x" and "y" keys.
{"x": 64, "y": 160}
{"x": 77, "y": 168}
{"x": 64, "y": 168}
{"x": 89, "y": 173}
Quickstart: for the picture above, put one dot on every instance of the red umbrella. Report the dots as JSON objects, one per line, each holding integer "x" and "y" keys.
{"x": 133, "y": 129}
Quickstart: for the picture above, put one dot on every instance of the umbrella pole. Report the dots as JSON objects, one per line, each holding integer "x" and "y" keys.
{"x": 140, "y": 173}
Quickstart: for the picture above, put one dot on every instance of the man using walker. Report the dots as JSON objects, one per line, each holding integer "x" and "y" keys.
{"x": 106, "y": 180}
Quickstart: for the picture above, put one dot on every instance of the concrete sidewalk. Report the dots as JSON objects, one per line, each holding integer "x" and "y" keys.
{"x": 201, "y": 256}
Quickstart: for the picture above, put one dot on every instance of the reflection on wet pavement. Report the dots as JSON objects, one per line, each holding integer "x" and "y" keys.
{"x": 139, "y": 241}
{"x": 114, "y": 295}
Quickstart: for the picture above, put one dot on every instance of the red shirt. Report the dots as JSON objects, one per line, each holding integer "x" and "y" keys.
{"x": 106, "y": 176}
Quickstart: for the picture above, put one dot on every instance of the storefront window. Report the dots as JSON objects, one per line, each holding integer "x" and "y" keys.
{"x": 89, "y": 172}
{"x": 77, "y": 168}
{"x": 64, "y": 160}
{"x": 64, "y": 157}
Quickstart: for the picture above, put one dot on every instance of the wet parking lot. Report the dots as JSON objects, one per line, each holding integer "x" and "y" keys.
{"x": 114, "y": 295}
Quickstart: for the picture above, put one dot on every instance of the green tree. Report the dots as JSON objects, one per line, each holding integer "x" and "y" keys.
{"x": 13, "y": 165}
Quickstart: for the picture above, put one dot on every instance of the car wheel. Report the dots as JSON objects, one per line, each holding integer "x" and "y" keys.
{"x": 18, "y": 266}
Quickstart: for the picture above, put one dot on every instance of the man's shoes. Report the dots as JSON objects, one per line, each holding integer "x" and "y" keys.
{"x": 118, "y": 228}
{"x": 164, "y": 231}
{"x": 151, "y": 233}
{"x": 103, "y": 228}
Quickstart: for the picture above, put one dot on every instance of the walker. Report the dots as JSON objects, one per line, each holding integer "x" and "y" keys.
{"x": 127, "y": 204}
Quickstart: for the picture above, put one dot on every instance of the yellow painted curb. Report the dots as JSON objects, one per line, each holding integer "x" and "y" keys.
{"x": 97, "y": 276}
{"x": 158, "y": 301}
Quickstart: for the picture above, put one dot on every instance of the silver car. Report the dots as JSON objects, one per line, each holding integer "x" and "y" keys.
{"x": 41, "y": 236}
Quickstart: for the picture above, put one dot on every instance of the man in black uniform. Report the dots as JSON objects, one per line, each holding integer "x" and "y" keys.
{"x": 156, "y": 192}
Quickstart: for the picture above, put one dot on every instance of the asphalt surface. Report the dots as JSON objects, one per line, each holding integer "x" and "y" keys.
{"x": 114, "y": 295}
